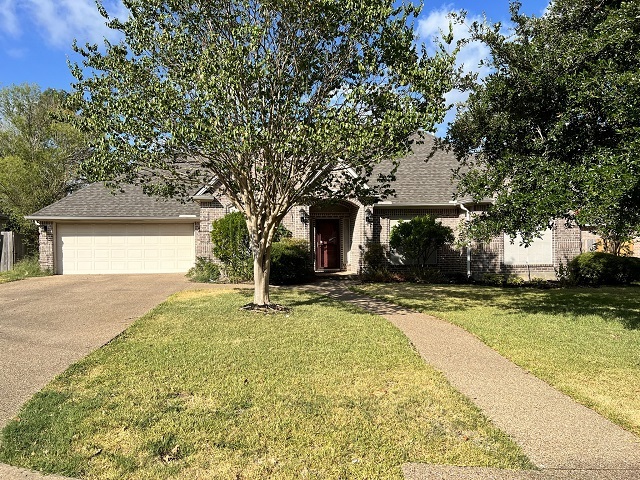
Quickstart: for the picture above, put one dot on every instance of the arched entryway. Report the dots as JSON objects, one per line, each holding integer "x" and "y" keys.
{"x": 332, "y": 233}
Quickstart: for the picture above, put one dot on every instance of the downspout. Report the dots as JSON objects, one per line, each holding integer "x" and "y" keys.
{"x": 467, "y": 216}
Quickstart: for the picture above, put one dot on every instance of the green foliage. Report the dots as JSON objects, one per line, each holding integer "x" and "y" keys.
{"x": 538, "y": 282}
{"x": 290, "y": 262}
{"x": 562, "y": 273}
{"x": 39, "y": 153}
{"x": 420, "y": 238}
{"x": 425, "y": 275}
{"x": 374, "y": 263}
{"x": 599, "y": 268}
{"x": 231, "y": 246}
{"x": 267, "y": 97}
{"x": 503, "y": 280}
{"x": 552, "y": 132}
{"x": 281, "y": 233}
{"x": 204, "y": 271}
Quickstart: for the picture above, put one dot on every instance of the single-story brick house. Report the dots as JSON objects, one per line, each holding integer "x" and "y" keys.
{"x": 93, "y": 231}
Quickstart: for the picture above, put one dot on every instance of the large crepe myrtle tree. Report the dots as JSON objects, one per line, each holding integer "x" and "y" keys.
{"x": 280, "y": 101}
{"x": 554, "y": 130}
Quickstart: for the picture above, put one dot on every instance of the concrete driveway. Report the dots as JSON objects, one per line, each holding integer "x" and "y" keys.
{"x": 48, "y": 323}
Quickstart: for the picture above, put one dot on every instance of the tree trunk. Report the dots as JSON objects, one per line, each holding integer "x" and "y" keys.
{"x": 261, "y": 271}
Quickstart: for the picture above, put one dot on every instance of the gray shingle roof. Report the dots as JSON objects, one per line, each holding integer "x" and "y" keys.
{"x": 96, "y": 200}
{"x": 420, "y": 179}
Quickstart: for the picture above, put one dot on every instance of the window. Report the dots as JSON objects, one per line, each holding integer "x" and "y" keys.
{"x": 539, "y": 252}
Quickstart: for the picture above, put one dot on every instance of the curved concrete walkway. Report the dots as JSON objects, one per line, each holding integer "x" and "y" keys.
{"x": 564, "y": 439}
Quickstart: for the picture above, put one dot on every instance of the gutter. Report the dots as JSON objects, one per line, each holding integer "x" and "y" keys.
{"x": 388, "y": 204}
{"x": 467, "y": 216}
{"x": 179, "y": 219}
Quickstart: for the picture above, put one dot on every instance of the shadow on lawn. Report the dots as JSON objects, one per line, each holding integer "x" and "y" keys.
{"x": 620, "y": 304}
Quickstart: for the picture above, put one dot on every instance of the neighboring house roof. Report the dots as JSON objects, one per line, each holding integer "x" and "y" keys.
{"x": 421, "y": 178}
{"x": 96, "y": 201}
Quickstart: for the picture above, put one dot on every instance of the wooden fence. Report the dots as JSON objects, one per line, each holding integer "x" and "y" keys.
{"x": 11, "y": 250}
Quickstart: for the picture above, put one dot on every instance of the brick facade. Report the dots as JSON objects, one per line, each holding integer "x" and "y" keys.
{"x": 360, "y": 224}
{"x": 209, "y": 211}
{"x": 568, "y": 241}
{"x": 46, "y": 243}
{"x": 300, "y": 221}
{"x": 489, "y": 257}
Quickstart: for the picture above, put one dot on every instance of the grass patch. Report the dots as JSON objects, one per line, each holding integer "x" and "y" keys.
{"x": 585, "y": 342}
{"x": 200, "y": 389}
{"x": 25, "y": 268}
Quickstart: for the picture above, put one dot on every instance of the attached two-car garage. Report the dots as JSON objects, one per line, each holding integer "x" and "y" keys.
{"x": 94, "y": 231}
{"x": 97, "y": 248}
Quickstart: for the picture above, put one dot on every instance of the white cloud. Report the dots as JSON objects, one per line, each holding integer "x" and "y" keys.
{"x": 9, "y": 24}
{"x": 431, "y": 27}
{"x": 437, "y": 22}
{"x": 17, "y": 53}
{"x": 62, "y": 21}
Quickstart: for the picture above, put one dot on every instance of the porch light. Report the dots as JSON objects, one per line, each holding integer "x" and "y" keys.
{"x": 368, "y": 215}
{"x": 304, "y": 216}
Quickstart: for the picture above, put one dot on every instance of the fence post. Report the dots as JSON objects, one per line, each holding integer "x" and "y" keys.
{"x": 3, "y": 254}
{"x": 6, "y": 251}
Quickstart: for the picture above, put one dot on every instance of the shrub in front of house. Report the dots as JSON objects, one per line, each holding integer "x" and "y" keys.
{"x": 374, "y": 263}
{"x": 600, "y": 268}
{"x": 419, "y": 238}
{"x": 204, "y": 271}
{"x": 416, "y": 274}
{"x": 290, "y": 262}
{"x": 230, "y": 245}
{"x": 503, "y": 280}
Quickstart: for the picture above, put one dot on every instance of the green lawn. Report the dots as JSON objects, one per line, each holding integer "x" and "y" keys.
{"x": 200, "y": 389}
{"x": 585, "y": 342}
{"x": 28, "y": 267}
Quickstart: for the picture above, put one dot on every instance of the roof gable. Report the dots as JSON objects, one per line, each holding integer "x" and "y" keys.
{"x": 424, "y": 177}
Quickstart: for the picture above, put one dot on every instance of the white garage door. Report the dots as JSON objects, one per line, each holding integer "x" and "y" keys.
{"x": 125, "y": 248}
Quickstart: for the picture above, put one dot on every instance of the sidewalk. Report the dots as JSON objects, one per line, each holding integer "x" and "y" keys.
{"x": 562, "y": 438}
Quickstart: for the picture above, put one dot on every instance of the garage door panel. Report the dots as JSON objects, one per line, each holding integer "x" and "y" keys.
{"x": 134, "y": 253}
{"x": 125, "y": 248}
{"x": 102, "y": 254}
{"x": 118, "y": 254}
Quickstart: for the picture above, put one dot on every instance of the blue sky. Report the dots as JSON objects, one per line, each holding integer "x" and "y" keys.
{"x": 36, "y": 35}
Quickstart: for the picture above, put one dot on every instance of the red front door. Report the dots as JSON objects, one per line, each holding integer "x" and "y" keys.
{"x": 327, "y": 244}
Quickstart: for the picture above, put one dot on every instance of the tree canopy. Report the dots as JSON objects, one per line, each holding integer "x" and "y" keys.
{"x": 280, "y": 101}
{"x": 554, "y": 131}
{"x": 39, "y": 154}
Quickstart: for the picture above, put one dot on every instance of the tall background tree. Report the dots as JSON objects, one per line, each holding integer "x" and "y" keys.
{"x": 554, "y": 131}
{"x": 281, "y": 101}
{"x": 39, "y": 154}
